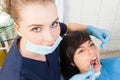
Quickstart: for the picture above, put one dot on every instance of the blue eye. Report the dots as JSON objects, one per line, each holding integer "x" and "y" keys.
{"x": 54, "y": 24}
{"x": 36, "y": 29}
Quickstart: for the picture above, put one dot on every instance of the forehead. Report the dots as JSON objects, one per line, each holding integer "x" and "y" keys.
{"x": 37, "y": 13}
{"x": 85, "y": 43}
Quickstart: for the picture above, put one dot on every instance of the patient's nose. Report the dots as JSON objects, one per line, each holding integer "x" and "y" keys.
{"x": 90, "y": 51}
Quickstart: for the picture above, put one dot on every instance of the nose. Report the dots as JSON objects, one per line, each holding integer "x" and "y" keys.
{"x": 90, "y": 51}
{"x": 48, "y": 36}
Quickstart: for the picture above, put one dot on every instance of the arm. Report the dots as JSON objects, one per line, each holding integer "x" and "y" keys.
{"x": 101, "y": 34}
{"x": 75, "y": 27}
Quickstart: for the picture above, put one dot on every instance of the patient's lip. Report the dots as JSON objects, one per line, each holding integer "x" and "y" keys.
{"x": 92, "y": 62}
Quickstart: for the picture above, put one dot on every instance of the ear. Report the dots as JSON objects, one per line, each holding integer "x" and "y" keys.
{"x": 17, "y": 28}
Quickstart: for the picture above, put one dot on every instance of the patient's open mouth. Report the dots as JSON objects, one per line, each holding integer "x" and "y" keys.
{"x": 94, "y": 61}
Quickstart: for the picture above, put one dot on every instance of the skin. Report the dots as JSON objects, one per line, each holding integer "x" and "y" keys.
{"x": 83, "y": 56}
{"x": 41, "y": 28}
{"x": 39, "y": 25}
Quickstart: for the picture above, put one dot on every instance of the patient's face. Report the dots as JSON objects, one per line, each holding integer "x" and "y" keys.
{"x": 87, "y": 54}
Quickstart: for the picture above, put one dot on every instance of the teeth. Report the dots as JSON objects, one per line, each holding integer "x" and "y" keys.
{"x": 94, "y": 61}
{"x": 94, "y": 58}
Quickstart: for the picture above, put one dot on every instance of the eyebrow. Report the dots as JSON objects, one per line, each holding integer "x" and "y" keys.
{"x": 89, "y": 41}
{"x": 55, "y": 20}
{"x": 42, "y": 24}
{"x": 83, "y": 46}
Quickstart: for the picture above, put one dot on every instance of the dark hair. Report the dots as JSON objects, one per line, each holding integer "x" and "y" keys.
{"x": 68, "y": 46}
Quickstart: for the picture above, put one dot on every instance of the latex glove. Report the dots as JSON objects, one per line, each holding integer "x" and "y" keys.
{"x": 101, "y": 34}
{"x": 86, "y": 76}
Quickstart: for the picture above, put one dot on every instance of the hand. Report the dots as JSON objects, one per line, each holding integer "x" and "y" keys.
{"x": 86, "y": 76}
{"x": 101, "y": 34}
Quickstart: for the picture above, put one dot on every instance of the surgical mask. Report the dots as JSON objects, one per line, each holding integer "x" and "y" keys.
{"x": 43, "y": 50}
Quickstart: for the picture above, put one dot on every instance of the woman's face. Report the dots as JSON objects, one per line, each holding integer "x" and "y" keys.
{"x": 87, "y": 54}
{"x": 39, "y": 24}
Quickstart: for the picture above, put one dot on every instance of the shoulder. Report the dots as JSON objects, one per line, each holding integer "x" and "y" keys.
{"x": 14, "y": 50}
{"x": 12, "y": 65}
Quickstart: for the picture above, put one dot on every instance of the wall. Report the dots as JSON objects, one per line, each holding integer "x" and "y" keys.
{"x": 100, "y": 13}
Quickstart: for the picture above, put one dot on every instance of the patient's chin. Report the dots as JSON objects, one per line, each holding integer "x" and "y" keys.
{"x": 97, "y": 74}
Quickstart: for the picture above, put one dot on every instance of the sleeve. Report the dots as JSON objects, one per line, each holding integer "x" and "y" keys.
{"x": 63, "y": 28}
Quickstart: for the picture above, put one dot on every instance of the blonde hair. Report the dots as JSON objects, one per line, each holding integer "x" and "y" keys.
{"x": 12, "y": 6}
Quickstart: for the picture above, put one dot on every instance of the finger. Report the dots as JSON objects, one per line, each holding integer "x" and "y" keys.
{"x": 93, "y": 73}
{"x": 105, "y": 42}
{"x": 91, "y": 68}
{"x": 106, "y": 38}
{"x": 104, "y": 35}
{"x": 102, "y": 46}
{"x": 93, "y": 76}
{"x": 87, "y": 74}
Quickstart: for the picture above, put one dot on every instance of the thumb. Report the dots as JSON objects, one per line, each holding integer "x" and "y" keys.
{"x": 105, "y": 36}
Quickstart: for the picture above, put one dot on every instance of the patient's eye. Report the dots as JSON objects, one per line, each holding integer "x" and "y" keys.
{"x": 92, "y": 44}
{"x": 81, "y": 51}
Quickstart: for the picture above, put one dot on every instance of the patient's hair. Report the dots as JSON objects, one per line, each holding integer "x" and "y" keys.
{"x": 68, "y": 46}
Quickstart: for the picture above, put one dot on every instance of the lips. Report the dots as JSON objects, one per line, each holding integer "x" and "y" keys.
{"x": 95, "y": 63}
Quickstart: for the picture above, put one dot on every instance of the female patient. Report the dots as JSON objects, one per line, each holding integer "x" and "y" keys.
{"x": 80, "y": 59}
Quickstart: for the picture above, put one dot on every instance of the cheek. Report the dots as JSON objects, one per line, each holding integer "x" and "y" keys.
{"x": 41, "y": 37}
{"x": 27, "y": 34}
{"x": 55, "y": 32}
{"x": 82, "y": 62}
{"x": 96, "y": 50}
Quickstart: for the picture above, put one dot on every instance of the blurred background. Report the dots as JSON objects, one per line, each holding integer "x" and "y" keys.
{"x": 100, "y": 13}
{"x": 103, "y": 14}
{"x": 7, "y": 34}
